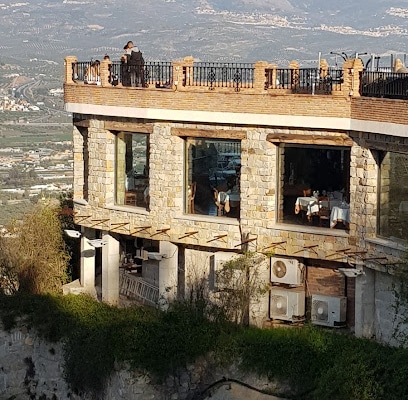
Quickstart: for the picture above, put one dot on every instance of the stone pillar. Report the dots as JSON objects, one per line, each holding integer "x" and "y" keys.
{"x": 87, "y": 277}
{"x": 351, "y": 75}
{"x": 294, "y": 75}
{"x": 178, "y": 78}
{"x": 186, "y": 72}
{"x": 69, "y": 61}
{"x": 168, "y": 271}
{"x": 365, "y": 304}
{"x": 272, "y": 80}
{"x": 260, "y": 82}
{"x": 110, "y": 269}
{"x": 105, "y": 72}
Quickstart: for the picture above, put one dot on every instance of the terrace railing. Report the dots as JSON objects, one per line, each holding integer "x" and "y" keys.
{"x": 154, "y": 73}
{"x": 220, "y": 75}
{"x": 391, "y": 85}
{"x": 237, "y": 76}
{"x": 304, "y": 80}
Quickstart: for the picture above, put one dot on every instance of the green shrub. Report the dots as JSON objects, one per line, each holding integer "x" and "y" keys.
{"x": 315, "y": 363}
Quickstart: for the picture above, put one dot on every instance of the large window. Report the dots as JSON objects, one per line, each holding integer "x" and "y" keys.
{"x": 132, "y": 169}
{"x": 314, "y": 180}
{"x": 393, "y": 196}
{"x": 213, "y": 170}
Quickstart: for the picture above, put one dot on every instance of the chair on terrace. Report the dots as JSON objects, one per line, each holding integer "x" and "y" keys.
{"x": 191, "y": 196}
{"x": 324, "y": 210}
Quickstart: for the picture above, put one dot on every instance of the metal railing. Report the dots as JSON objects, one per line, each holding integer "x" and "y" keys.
{"x": 138, "y": 289}
{"x": 159, "y": 74}
{"x": 156, "y": 73}
{"x": 79, "y": 70}
{"x": 220, "y": 75}
{"x": 391, "y": 85}
{"x": 304, "y": 80}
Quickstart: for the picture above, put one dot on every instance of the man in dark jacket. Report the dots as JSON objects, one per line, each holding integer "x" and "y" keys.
{"x": 135, "y": 65}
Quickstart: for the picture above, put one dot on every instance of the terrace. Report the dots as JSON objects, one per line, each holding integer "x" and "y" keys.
{"x": 245, "y": 77}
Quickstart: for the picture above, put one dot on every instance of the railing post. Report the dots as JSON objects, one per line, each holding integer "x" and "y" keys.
{"x": 105, "y": 72}
{"x": 69, "y": 61}
{"x": 260, "y": 81}
{"x": 177, "y": 67}
{"x": 352, "y": 69}
{"x": 181, "y": 72}
{"x": 294, "y": 74}
{"x": 274, "y": 84}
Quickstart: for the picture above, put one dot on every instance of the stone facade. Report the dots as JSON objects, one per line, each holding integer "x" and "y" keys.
{"x": 262, "y": 119}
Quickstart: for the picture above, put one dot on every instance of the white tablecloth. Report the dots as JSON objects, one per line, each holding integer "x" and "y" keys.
{"x": 339, "y": 214}
{"x": 309, "y": 204}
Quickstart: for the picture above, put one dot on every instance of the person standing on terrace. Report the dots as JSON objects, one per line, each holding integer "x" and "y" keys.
{"x": 134, "y": 68}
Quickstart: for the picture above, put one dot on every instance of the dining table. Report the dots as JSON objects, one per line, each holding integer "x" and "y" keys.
{"x": 307, "y": 203}
{"x": 340, "y": 213}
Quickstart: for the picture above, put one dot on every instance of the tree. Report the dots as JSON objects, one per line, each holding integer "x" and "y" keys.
{"x": 239, "y": 283}
{"x": 34, "y": 254}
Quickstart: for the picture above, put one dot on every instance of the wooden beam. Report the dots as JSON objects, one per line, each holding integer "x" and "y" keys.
{"x": 85, "y": 123}
{"x": 217, "y": 237}
{"x": 245, "y": 242}
{"x": 187, "y": 234}
{"x": 387, "y": 146}
{"x": 331, "y": 140}
{"x": 161, "y": 231}
{"x": 210, "y": 133}
{"x": 128, "y": 127}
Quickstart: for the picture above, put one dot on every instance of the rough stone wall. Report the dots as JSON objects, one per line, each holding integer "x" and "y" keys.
{"x": 32, "y": 369}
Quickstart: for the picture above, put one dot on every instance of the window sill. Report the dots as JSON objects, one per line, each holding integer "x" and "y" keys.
{"x": 388, "y": 243}
{"x": 311, "y": 229}
{"x": 132, "y": 209}
{"x": 206, "y": 218}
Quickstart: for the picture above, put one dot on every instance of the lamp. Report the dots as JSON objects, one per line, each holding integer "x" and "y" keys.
{"x": 72, "y": 233}
{"x": 351, "y": 272}
{"x": 96, "y": 242}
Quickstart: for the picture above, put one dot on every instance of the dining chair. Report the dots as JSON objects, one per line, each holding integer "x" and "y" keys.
{"x": 191, "y": 196}
{"x": 324, "y": 210}
{"x": 220, "y": 206}
{"x": 222, "y": 202}
{"x": 130, "y": 198}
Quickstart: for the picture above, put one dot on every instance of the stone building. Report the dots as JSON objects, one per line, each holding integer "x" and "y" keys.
{"x": 207, "y": 160}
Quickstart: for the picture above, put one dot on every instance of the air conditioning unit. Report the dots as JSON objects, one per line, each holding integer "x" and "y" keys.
{"x": 329, "y": 310}
{"x": 287, "y": 304}
{"x": 286, "y": 270}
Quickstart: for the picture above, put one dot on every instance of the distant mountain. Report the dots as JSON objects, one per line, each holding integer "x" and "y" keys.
{"x": 277, "y": 31}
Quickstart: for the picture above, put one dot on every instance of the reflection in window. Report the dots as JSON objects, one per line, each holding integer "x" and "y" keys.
{"x": 213, "y": 170}
{"x": 393, "y": 196}
{"x": 323, "y": 171}
{"x": 132, "y": 169}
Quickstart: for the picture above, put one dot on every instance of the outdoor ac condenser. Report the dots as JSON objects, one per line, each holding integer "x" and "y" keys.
{"x": 286, "y": 270}
{"x": 329, "y": 310}
{"x": 287, "y": 304}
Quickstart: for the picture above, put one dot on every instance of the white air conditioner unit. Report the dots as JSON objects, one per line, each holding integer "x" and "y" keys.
{"x": 329, "y": 310}
{"x": 286, "y": 270}
{"x": 287, "y": 304}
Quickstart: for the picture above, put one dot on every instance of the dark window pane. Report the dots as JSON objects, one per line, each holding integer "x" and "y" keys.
{"x": 213, "y": 170}
{"x": 132, "y": 169}
{"x": 393, "y": 201}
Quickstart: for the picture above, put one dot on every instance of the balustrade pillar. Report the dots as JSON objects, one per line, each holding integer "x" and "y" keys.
{"x": 260, "y": 79}
{"x": 105, "y": 72}
{"x": 352, "y": 69}
{"x": 69, "y": 62}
